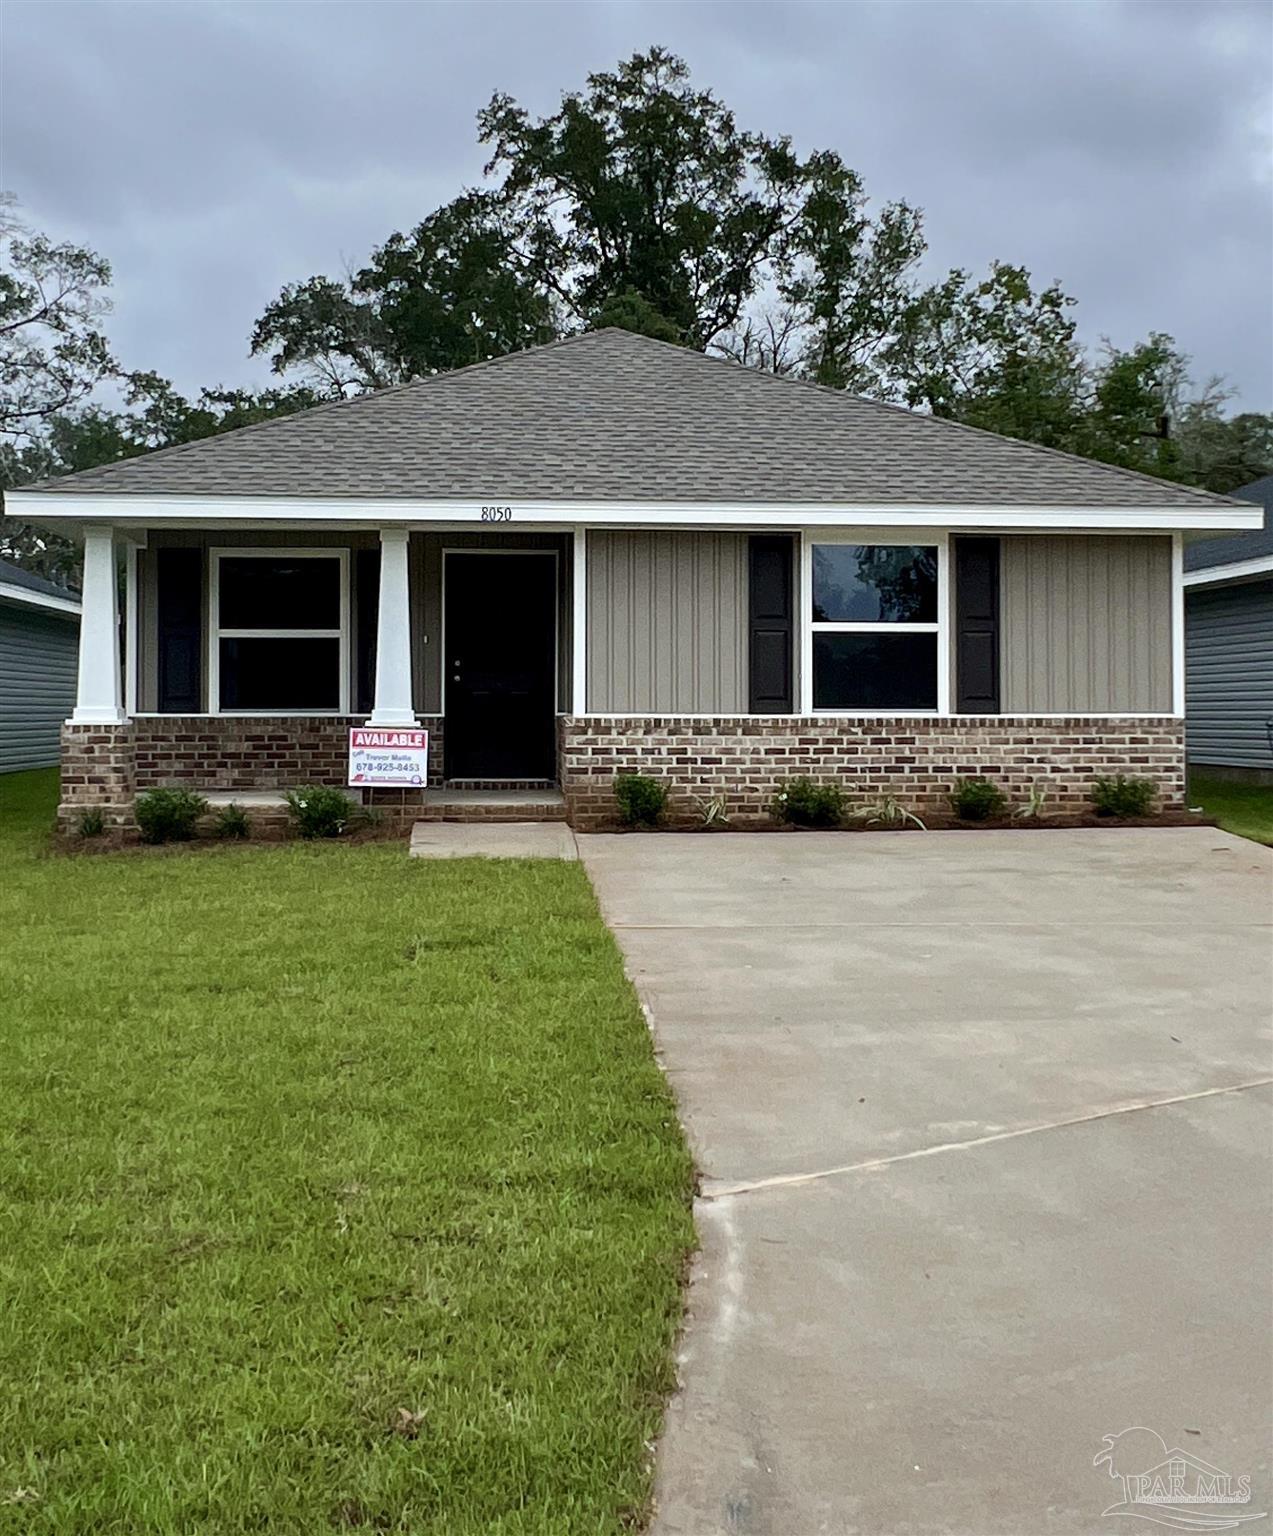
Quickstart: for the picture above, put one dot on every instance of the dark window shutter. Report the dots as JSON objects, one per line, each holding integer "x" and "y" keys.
{"x": 367, "y": 605}
{"x": 179, "y": 624}
{"x": 770, "y": 623}
{"x": 977, "y": 626}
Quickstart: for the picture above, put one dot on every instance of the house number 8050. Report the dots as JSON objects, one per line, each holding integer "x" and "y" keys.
{"x": 497, "y": 514}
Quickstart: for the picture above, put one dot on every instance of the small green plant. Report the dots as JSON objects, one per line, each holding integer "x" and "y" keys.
{"x": 977, "y": 800}
{"x": 232, "y": 821}
{"x": 319, "y": 810}
{"x": 1122, "y": 796}
{"x": 168, "y": 815}
{"x": 1032, "y": 805}
{"x": 92, "y": 822}
{"x": 642, "y": 800}
{"x": 802, "y": 803}
{"x": 887, "y": 811}
{"x": 712, "y": 812}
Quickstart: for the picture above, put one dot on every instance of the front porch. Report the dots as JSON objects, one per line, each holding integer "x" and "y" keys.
{"x": 245, "y": 659}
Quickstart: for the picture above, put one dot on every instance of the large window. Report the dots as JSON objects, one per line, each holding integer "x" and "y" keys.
{"x": 279, "y": 631}
{"x": 876, "y": 628}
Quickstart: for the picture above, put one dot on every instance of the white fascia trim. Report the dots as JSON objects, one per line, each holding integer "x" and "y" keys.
{"x": 11, "y": 593}
{"x": 149, "y": 511}
{"x": 1237, "y": 570}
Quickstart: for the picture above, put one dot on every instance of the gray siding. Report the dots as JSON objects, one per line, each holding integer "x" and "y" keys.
{"x": 1086, "y": 624}
{"x": 667, "y": 622}
{"x": 1229, "y": 675}
{"x": 38, "y": 662}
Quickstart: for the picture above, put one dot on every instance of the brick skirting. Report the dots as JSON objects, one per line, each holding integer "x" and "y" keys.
{"x": 916, "y": 760}
{"x": 744, "y": 759}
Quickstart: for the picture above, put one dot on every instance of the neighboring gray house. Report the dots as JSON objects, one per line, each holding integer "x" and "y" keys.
{"x": 1229, "y": 648}
{"x": 39, "y": 644}
{"x": 611, "y": 555}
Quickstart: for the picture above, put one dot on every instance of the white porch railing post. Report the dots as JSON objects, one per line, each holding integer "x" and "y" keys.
{"x": 99, "y": 699}
{"x": 394, "y": 704}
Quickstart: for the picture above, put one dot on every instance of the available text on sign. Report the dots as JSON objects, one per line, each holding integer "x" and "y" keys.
{"x": 388, "y": 757}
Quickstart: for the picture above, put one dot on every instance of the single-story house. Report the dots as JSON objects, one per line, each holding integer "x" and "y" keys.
{"x": 39, "y": 644}
{"x": 612, "y": 555}
{"x": 1229, "y": 648}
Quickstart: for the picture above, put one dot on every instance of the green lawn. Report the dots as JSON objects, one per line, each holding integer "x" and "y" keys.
{"x": 1246, "y": 809}
{"x": 337, "y": 1192}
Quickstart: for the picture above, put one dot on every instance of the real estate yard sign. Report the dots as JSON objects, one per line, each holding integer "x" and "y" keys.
{"x": 388, "y": 756}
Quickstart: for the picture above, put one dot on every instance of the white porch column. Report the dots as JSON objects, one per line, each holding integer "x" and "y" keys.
{"x": 99, "y": 698}
{"x": 579, "y": 626}
{"x": 393, "y": 633}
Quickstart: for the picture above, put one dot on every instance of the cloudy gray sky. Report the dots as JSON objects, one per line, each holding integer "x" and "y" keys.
{"x": 216, "y": 151}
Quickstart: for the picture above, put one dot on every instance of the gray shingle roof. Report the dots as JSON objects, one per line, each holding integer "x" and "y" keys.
{"x": 610, "y": 416}
{"x": 17, "y": 576}
{"x": 1238, "y": 546}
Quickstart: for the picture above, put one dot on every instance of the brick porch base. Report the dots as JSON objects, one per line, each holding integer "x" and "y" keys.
{"x": 915, "y": 760}
{"x": 108, "y": 766}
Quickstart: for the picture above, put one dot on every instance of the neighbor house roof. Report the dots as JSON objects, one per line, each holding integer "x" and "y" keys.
{"x": 609, "y": 416}
{"x": 1234, "y": 548}
{"x": 30, "y": 591}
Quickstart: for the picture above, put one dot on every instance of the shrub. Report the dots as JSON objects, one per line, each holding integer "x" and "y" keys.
{"x": 232, "y": 821}
{"x": 712, "y": 810}
{"x": 1122, "y": 796}
{"x": 320, "y": 811}
{"x": 168, "y": 815}
{"x": 642, "y": 800}
{"x": 977, "y": 800}
{"x": 1032, "y": 805}
{"x": 92, "y": 823}
{"x": 887, "y": 811}
{"x": 802, "y": 803}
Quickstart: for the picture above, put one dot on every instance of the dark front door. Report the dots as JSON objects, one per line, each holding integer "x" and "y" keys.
{"x": 500, "y": 666}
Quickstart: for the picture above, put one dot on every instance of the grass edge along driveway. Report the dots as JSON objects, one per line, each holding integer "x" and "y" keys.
{"x": 1243, "y": 809}
{"x": 338, "y": 1191}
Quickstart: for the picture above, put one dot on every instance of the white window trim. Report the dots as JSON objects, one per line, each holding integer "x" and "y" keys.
{"x": 216, "y": 634}
{"x": 809, "y": 627}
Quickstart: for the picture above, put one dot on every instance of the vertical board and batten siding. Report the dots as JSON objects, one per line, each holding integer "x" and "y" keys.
{"x": 667, "y": 623}
{"x": 39, "y": 659}
{"x": 1229, "y": 676}
{"x": 1086, "y": 624}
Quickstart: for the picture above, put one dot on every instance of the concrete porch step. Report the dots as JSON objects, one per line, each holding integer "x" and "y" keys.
{"x": 493, "y": 805}
{"x": 248, "y": 799}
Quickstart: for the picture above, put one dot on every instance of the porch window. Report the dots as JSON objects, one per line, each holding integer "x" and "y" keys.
{"x": 876, "y": 627}
{"x": 279, "y": 640}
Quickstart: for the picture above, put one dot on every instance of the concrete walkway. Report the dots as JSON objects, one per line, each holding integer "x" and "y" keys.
{"x": 983, "y": 1122}
{"x": 492, "y": 840}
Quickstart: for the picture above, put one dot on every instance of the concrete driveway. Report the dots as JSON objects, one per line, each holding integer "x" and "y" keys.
{"x": 983, "y": 1121}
